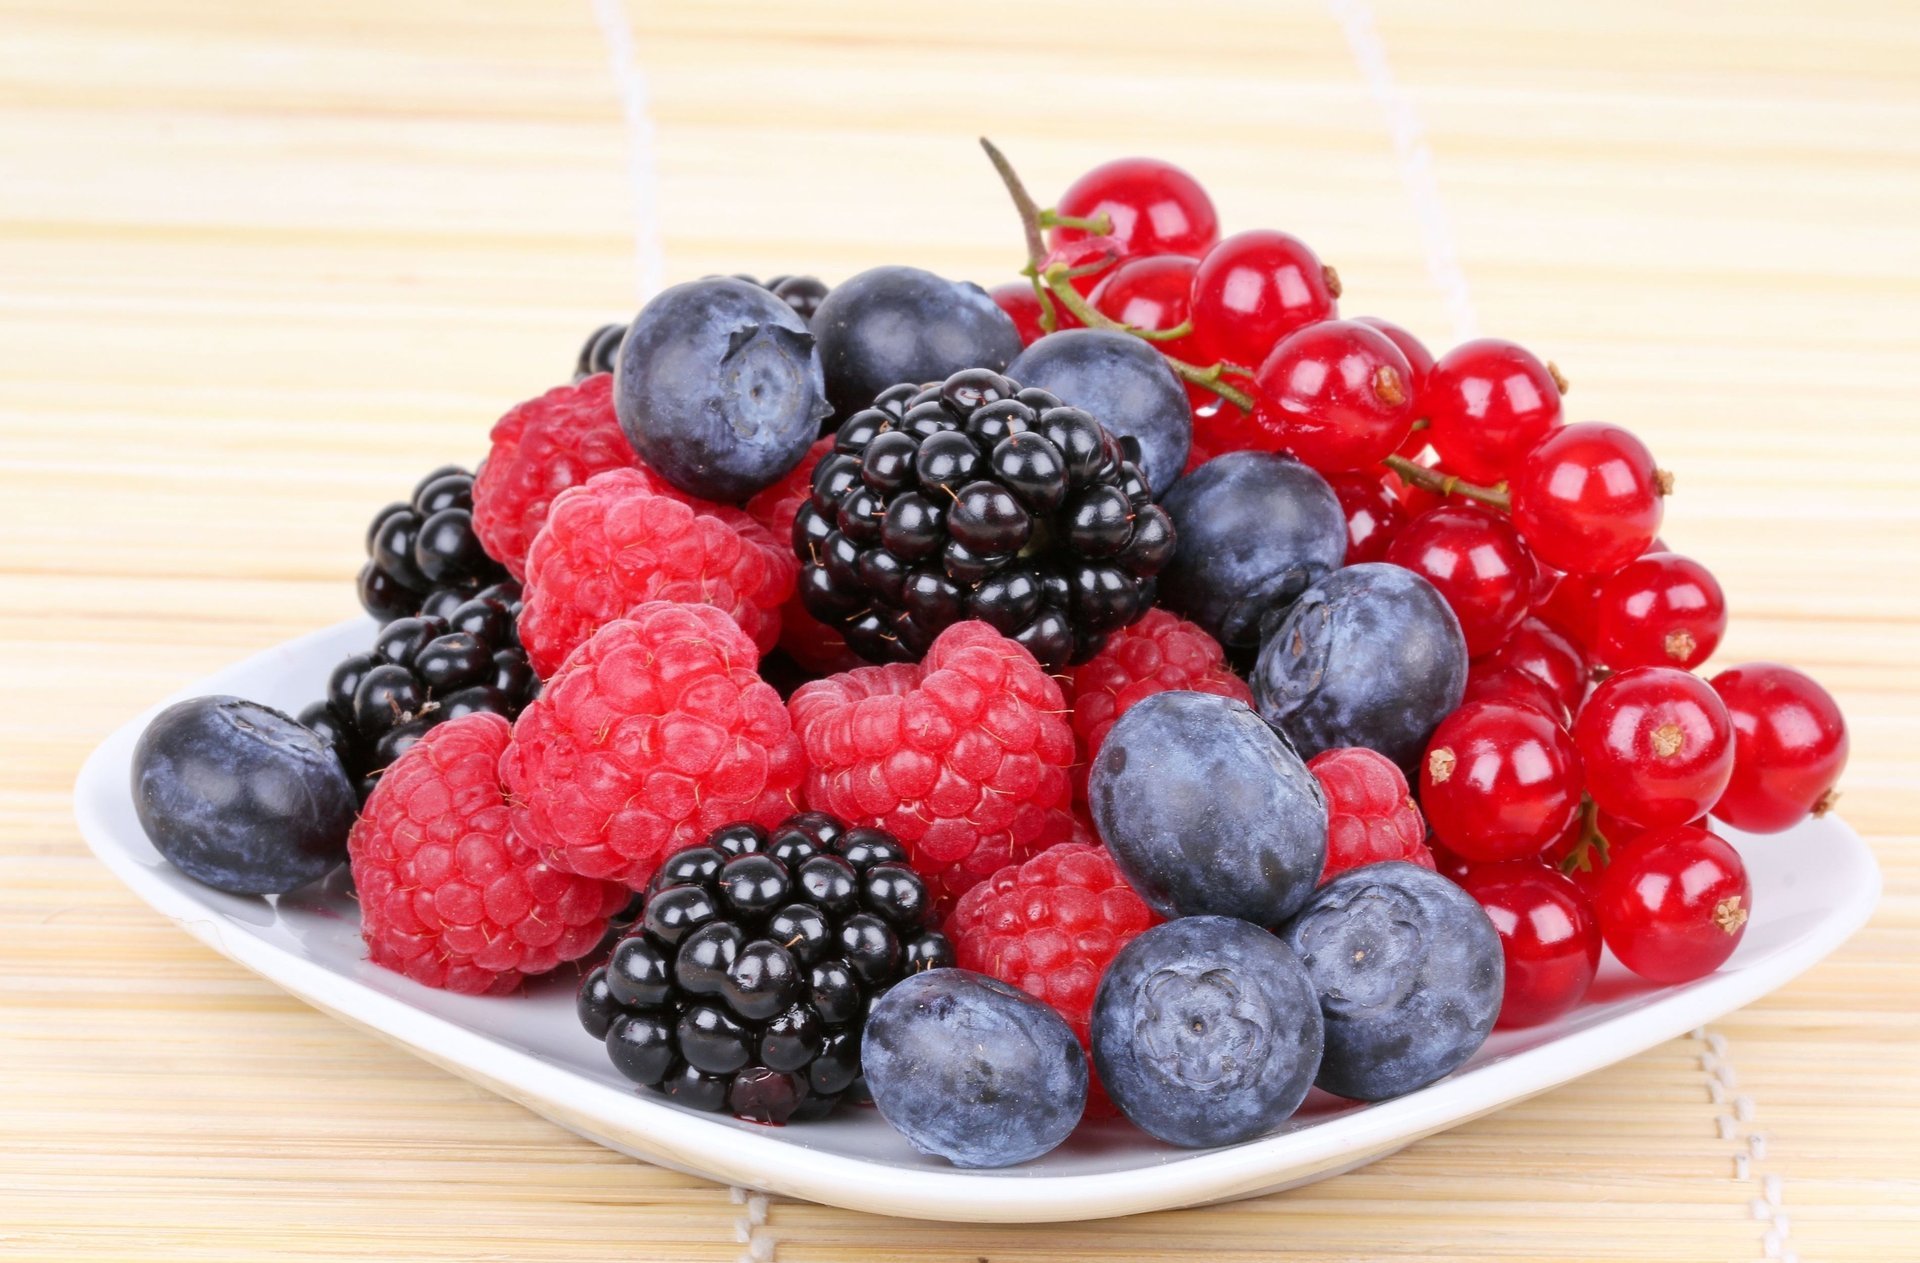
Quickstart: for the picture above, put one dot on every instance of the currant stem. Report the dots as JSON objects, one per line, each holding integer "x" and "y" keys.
{"x": 1057, "y": 280}
{"x": 1446, "y": 484}
{"x": 1100, "y": 225}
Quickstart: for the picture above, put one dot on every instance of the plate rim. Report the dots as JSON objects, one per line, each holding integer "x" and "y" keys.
{"x": 655, "y": 1131}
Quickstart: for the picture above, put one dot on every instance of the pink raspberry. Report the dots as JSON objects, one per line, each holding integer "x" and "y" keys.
{"x": 449, "y": 896}
{"x": 1159, "y": 653}
{"x": 1370, "y": 815}
{"x": 1050, "y": 927}
{"x": 616, "y": 542}
{"x": 655, "y": 733}
{"x": 540, "y": 448}
{"x": 818, "y": 648}
{"x": 963, "y": 756}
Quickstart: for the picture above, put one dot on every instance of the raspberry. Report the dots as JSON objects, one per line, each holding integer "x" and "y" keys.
{"x": 1370, "y": 815}
{"x": 1050, "y": 927}
{"x": 449, "y": 896}
{"x": 817, "y": 647}
{"x": 616, "y": 542}
{"x": 540, "y": 448}
{"x": 963, "y": 756}
{"x": 1158, "y": 653}
{"x": 655, "y": 733}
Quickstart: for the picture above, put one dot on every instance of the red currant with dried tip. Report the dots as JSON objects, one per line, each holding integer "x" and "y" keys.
{"x": 1418, "y": 357}
{"x": 1374, "y": 515}
{"x": 1477, "y": 561}
{"x": 1489, "y": 402}
{"x": 1336, "y": 395}
{"x": 1499, "y": 781}
{"x": 1255, "y": 288}
{"x": 1152, "y": 292}
{"x": 1543, "y": 651}
{"x": 1548, "y": 933}
{"x": 1789, "y": 747}
{"x": 1153, "y": 207}
{"x": 1675, "y": 904}
{"x": 1589, "y": 498}
{"x": 1657, "y": 745}
{"x": 1660, "y": 610}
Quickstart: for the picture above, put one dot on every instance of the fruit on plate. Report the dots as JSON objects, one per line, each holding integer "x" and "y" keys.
{"x": 1409, "y": 973}
{"x": 1145, "y": 586}
{"x": 744, "y": 983}
{"x": 972, "y": 1070}
{"x": 240, "y": 797}
{"x": 978, "y": 498}
{"x": 1207, "y": 1031}
{"x": 1208, "y": 810}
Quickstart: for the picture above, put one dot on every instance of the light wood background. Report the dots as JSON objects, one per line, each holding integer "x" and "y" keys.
{"x": 264, "y": 262}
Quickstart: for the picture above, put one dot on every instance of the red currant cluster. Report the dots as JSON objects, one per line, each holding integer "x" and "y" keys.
{"x": 1570, "y": 791}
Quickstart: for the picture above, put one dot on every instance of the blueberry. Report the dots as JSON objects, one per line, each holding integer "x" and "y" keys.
{"x": 1252, "y": 532}
{"x": 241, "y": 797}
{"x": 1207, "y": 810}
{"x": 1125, "y": 384}
{"x": 900, "y": 324}
{"x": 1371, "y": 656}
{"x": 1409, "y": 973}
{"x": 719, "y": 388}
{"x": 1207, "y": 1031}
{"x": 971, "y": 1070}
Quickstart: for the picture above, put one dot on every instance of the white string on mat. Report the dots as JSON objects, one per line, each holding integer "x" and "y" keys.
{"x": 1735, "y": 1123}
{"x": 630, "y": 83}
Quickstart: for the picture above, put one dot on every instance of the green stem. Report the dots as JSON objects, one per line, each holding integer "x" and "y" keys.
{"x": 1446, "y": 484}
{"x": 1100, "y": 225}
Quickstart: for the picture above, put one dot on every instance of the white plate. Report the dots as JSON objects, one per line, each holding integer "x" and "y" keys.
{"x": 1812, "y": 888}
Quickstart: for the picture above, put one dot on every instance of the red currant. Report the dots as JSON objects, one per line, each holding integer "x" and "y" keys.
{"x": 1018, "y": 300}
{"x": 1418, "y": 357}
{"x": 1569, "y": 605}
{"x": 1548, "y": 933}
{"x": 1373, "y": 512}
{"x": 1657, "y": 745}
{"x": 1253, "y": 289}
{"x": 1490, "y": 680}
{"x": 1335, "y": 395}
{"x": 1548, "y": 654}
{"x": 1151, "y": 292}
{"x": 1489, "y": 402}
{"x": 1588, "y": 498}
{"x": 1660, "y": 610}
{"x": 1674, "y": 905}
{"x": 1499, "y": 781}
{"x": 1475, "y": 557}
{"x": 1154, "y": 208}
{"x": 1789, "y": 747}
{"x": 1089, "y": 261}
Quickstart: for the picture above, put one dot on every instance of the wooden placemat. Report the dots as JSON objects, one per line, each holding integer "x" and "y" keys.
{"x": 262, "y": 264}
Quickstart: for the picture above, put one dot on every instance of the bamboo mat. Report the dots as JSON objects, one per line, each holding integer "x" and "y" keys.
{"x": 261, "y": 264}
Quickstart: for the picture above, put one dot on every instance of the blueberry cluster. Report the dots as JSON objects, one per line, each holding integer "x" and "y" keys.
{"x": 602, "y": 347}
{"x": 977, "y": 498}
{"x": 747, "y": 979}
{"x": 422, "y": 555}
{"x": 424, "y": 670}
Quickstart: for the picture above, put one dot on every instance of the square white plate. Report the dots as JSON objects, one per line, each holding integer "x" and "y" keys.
{"x": 1812, "y": 888}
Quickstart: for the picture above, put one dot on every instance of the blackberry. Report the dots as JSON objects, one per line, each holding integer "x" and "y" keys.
{"x": 423, "y": 670}
{"x": 422, "y": 554}
{"x": 977, "y": 498}
{"x": 746, "y": 983}
{"x": 602, "y": 347}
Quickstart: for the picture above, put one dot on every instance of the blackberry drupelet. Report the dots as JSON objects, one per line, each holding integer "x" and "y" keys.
{"x": 746, "y": 982}
{"x": 422, "y": 671}
{"x": 423, "y": 556}
{"x": 602, "y": 347}
{"x": 974, "y": 498}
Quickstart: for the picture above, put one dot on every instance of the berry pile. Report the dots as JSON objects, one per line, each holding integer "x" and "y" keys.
{"x": 1188, "y": 695}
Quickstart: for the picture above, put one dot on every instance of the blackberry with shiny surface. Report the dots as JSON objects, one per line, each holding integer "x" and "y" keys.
{"x": 746, "y": 981}
{"x": 423, "y": 670}
{"x": 975, "y": 498}
{"x": 423, "y": 555}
